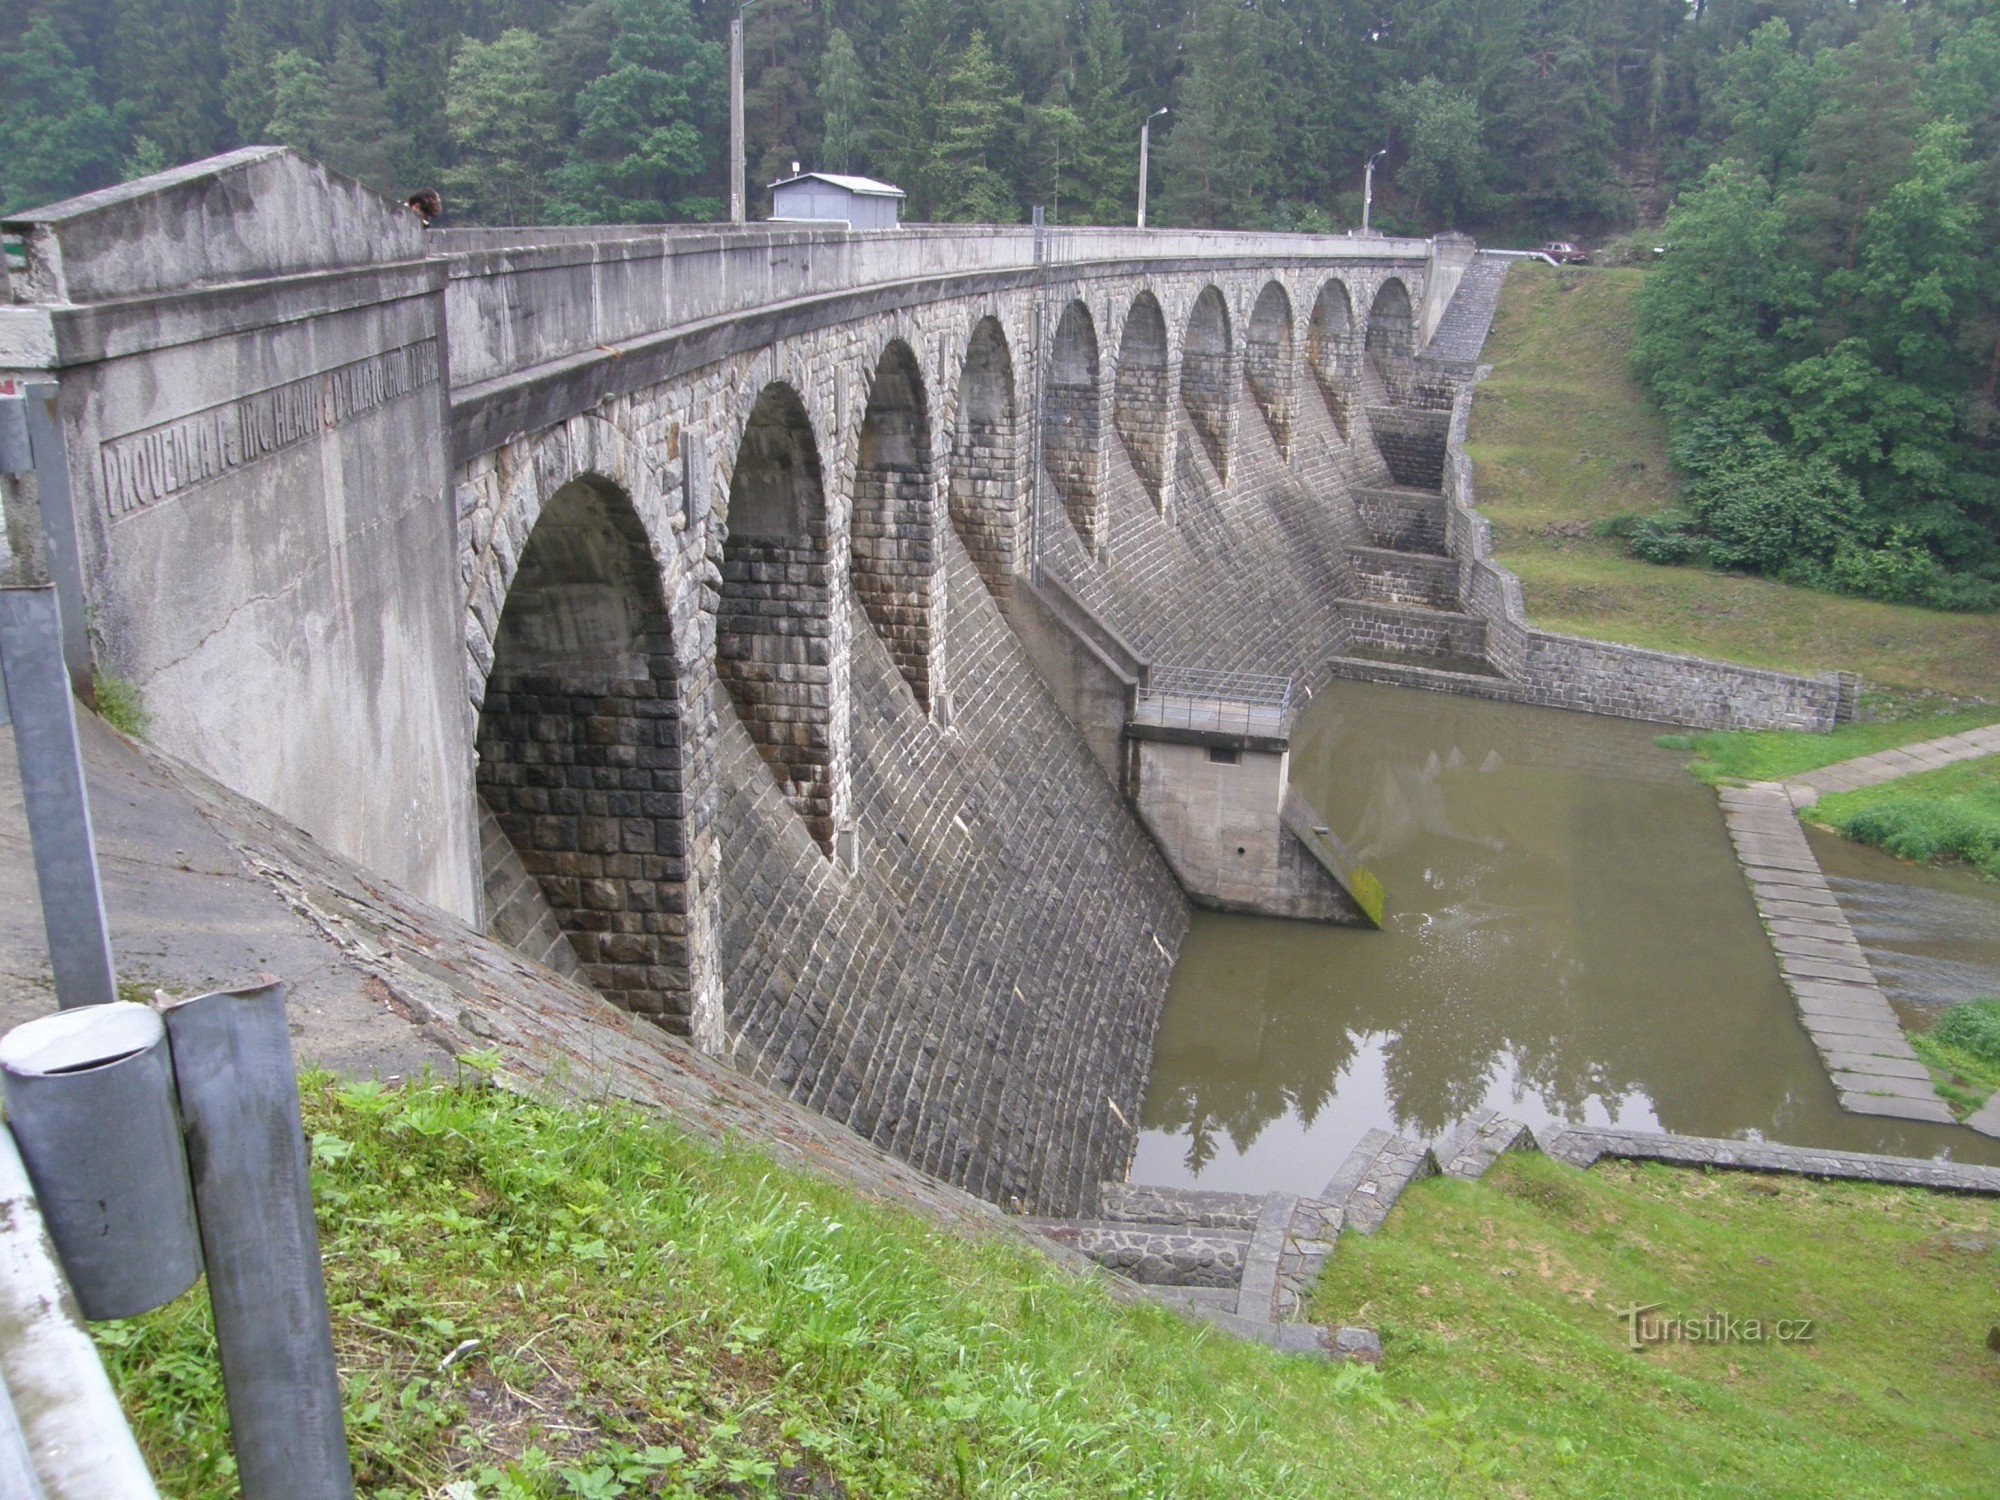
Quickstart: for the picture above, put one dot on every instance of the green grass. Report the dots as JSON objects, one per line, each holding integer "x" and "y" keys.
{"x": 1963, "y": 1052}
{"x": 121, "y": 705}
{"x": 1495, "y": 1304}
{"x": 1773, "y": 755}
{"x": 655, "y": 1317}
{"x": 1564, "y": 440}
{"x": 1934, "y": 817}
{"x": 706, "y": 1323}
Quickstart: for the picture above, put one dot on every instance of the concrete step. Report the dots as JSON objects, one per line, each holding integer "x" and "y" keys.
{"x": 1185, "y": 1208}
{"x": 1409, "y": 633}
{"x": 1257, "y": 1290}
{"x": 1156, "y": 1256}
{"x": 1491, "y": 1138}
{"x": 1373, "y": 1177}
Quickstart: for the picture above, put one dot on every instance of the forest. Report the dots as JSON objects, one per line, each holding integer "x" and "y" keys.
{"x": 1823, "y": 332}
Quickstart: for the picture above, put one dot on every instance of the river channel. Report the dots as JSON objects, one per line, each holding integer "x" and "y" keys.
{"x": 1569, "y": 940}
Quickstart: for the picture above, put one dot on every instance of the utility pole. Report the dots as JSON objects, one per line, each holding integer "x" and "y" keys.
{"x": 1145, "y": 153}
{"x": 1368, "y": 186}
{"x": 737, "y": 170}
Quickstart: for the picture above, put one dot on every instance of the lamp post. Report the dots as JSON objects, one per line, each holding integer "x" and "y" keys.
{"x": 736, "y": 167}
{"x": 1368, "y": 186}
{"x": 1145, "y": 152}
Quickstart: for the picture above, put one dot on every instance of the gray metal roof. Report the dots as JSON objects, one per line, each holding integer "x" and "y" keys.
{"x": 866, "y": 187}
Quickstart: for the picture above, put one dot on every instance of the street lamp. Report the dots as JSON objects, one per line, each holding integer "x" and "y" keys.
{"x": 1368, "y": 186}
{"x": 736, "y": 168}
{"x": 1145, "y": 149}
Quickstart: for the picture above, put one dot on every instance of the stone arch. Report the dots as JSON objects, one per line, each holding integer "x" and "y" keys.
{"x": 1330, "y": 350}
{"x": 774, "y": 627}
{"x": 1206, "y": 383}
{"x": 984, "y": 484}
{"x": 583, "y": 772}
{"x": 1141, "y": 397}
{"x": 1072, "y": 417}
{"x": 893, "y": 552}
{"x": 1267, "y": 361}
{"x": 1391, "y": 346}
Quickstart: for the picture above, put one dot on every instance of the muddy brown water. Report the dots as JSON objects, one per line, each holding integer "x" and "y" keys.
{"x": 1569, "y": 940}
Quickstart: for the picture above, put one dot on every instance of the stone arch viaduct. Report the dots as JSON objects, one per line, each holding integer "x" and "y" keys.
{"x": 715, "y": 615}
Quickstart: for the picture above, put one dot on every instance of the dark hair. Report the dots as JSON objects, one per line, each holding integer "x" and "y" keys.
{"x": 425, "y": 204}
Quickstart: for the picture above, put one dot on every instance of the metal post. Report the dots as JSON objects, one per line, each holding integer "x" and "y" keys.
{"x": 736, "y": 167}
{"x": 76, "y": 1432}
{"x": 90, "y": 1098}
{"x": 1145, "y": 154}
{"x": 253, "y": 1195}
{"x": 51, "y": 761}
{"x": 57, "y": 505}
{"x": 1368, "y": 186}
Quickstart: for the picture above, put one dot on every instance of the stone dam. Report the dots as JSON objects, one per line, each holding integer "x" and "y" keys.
{"x": 852, "y": 651}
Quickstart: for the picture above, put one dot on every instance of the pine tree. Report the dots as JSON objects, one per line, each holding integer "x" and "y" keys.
{"x": 355, "y": 132}
{"x": 56, "y": 139}
{"x": 1217, "y": 161}
{"x": 297, "y": 109}
{"x": 842, "y": 97}
{"x": 975, "y": 129}
{"x": 647, "y": 128}
{"x": 908, "y": 117}
{"x": 1103, "y": 178}
{"x": 503, "y": 116}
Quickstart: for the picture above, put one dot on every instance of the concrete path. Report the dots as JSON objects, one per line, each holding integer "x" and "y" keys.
{"x": 1892, "y": 765}
{"x": 1873, "y": 1067}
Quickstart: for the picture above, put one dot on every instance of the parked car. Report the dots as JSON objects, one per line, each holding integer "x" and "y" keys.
{"x": 1563, "y": 253}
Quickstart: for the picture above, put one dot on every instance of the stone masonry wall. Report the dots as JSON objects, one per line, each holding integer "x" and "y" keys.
{"x": 586, "y": 784}
{"x": 773, "y": 650}
{"x": 984, "y": 502}
{"x": 1142, "y": 408}
{"x": 894, "y": 562}
{"x": 1208, "y": 381}
{"x": 1412, "y": 443}
{"x": 979, "y": 995}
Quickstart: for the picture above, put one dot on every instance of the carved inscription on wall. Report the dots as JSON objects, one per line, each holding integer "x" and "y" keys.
{"x": 144, "y": 468}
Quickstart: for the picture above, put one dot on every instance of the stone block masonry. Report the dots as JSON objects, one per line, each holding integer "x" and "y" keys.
{"x": 586, "y": 785}
{"x": 773, "y": 651}
{"x": 979, "y": 995}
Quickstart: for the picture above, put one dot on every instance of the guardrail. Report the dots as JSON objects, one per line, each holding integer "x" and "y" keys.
{"x": 1202, "y": 698}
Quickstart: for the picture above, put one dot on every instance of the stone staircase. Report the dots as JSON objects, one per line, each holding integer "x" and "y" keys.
{"x": 1245, "y": 1262}
{"x": 1409, "y": 610}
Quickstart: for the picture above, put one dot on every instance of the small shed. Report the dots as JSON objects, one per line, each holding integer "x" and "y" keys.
{"x": 832, "y": 198}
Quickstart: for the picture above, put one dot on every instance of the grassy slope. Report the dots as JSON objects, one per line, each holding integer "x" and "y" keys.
{"x": 1562, "y": 436}
{"x": 657, "y": 1318}
{"x": 1495, "y": 1305}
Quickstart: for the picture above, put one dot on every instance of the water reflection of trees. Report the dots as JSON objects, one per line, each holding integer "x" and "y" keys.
{"x": 1565, "y": 914}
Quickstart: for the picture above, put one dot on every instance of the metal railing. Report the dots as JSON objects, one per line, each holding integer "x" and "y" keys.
{"x": 1202, "y": 698}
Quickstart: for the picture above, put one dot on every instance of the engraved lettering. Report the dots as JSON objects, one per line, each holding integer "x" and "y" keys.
{"x": 143, "y": 468}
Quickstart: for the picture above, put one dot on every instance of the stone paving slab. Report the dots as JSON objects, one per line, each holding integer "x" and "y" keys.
{"x": 1904, "y": 760}
{"x": 1986, "y": 1119}
{"x": 1868, "y": 1059}
{"x": 1886, "y": 1065}
{"x": 1257, "y": 1292}
{"x": 1580, "y": 1147}
{"x": 1934, "y": 1112}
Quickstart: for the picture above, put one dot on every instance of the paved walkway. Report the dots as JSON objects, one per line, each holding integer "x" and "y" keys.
{"x": 1892, "y": 765}
{"x": 1873, "y": 1067}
